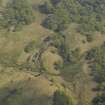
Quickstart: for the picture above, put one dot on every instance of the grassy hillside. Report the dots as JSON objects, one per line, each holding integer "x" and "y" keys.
{"x": 18, "y": 87}
{"x": 36, "y": 60}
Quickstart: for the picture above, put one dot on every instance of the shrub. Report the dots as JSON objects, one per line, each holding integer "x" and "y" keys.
{"x": 89, "y": 37}
{"x": 99, "y": 100}
{"x": 30, "y": 47}
{"x": 60, "y": 98}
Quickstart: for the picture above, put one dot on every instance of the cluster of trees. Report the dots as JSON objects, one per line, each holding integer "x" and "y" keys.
{"x": 58, "y": 18}
{"x": 16, "y": 14}
{"x": 97, "y": 57}
{"x": 89, "y": 14}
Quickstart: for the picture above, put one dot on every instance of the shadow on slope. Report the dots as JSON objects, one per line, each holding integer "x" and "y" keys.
{"x": 22, "y": 93}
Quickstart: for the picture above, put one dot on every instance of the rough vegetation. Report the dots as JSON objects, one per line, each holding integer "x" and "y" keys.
{"x": 89, "y": 15}
{"x": 52, "y": 52}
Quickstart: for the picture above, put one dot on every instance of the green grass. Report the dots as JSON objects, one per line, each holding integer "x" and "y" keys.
{"x": 70, "y": 71}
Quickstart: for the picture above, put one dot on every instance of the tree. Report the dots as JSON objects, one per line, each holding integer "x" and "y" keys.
{"x": 46, "y": 8}
{"x": 60, "y": 98}
{"x": 16, "y": 14}
{"x": 55, "y": 2}
{"x": 99, "y": 100}
{"x": 57, "y": 21}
